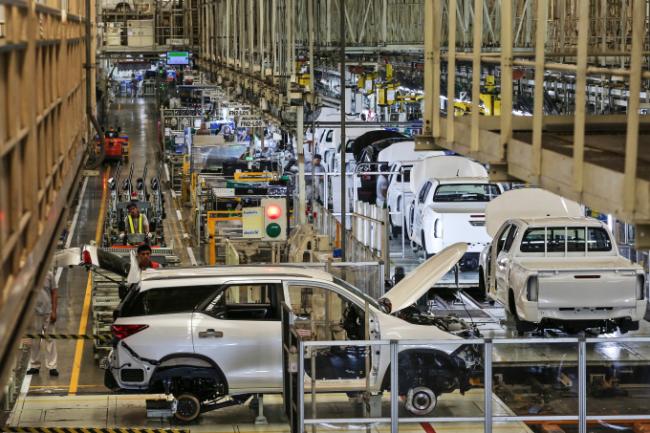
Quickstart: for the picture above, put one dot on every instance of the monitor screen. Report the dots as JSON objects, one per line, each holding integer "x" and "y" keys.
{"x": 178, "y": 58}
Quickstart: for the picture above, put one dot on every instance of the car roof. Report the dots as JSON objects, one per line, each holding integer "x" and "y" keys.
{"x": 256, "y": 271}
{"x": 561, "y": 221}
{"x": 446, "y": 180}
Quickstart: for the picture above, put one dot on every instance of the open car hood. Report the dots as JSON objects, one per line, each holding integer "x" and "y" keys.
{"x": 444, "y": 167}
{"x": 93, "y": 257}
{"x": 528, "y": 203}
{"x": 422, "y": 278}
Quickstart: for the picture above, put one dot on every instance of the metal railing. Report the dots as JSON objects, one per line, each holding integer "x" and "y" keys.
{"x": 325, "y": 187}
{"x": 297, "y": 347}
{"x": 368, "y": 241}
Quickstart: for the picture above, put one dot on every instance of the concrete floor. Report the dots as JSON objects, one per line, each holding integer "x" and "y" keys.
{"x": 109, "y": 411}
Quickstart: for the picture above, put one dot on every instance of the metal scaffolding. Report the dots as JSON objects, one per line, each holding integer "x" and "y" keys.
{"x": 587, "y": 156}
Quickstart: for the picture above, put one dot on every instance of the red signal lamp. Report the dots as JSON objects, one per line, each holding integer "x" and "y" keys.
{"x": 273, "y": 212}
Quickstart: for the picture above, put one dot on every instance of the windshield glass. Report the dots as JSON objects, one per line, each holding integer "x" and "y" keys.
{"x": 356, "y": 291}
{"x": 466, "y": 192}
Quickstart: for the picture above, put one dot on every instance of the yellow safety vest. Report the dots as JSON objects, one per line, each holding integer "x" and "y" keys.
{"x": 139, "y": 224}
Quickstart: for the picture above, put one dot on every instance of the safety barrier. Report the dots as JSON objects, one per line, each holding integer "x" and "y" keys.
{"x": 325, "y": 188}
{"x": 8, "y": 429}
{"x": 368, "y": 239}
{"x": 105, "y": 338}
{"x": 301, "y": 377}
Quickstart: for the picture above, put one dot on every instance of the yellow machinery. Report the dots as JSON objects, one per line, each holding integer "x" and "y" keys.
{"x": 490, "y": 98}
{"x": 254, "y": 176}
{"x": 366, "y": 83}
{"x": 213, "y": 218}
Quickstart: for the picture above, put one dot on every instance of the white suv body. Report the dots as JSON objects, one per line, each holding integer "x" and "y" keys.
{"x": 449, "y": 207}
{"x": 551, "y": 266}
{"x": 400, "y": 158}
{"x": 217, "y": 331}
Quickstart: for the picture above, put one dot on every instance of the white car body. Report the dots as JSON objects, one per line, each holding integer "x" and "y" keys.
{"x": 328, "y": 138}
{"x": 142, "y": 6}
{"x": 246, "y": 354}
{"x": 332, "y": 153}
{"x": 542, "y": 270}
{"x": 400, "y": 157}
{"x": 438, "y": 217}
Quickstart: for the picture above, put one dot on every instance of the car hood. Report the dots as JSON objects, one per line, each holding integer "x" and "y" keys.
{"x": 91, "y": 257}
{"x": 422, "y": 278}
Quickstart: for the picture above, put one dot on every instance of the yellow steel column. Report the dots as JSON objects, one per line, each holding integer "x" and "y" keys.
{"x": 538, "y": 112}
{"x": 429, "y": 100}
{"x": 477, "y": 27}
{"x": 437, "y": 36}
{"x": 580, "y": 97}
{"x": 506, "y": 77}
{"x": 632, "y": 137}
{"x": 451, "y": 70}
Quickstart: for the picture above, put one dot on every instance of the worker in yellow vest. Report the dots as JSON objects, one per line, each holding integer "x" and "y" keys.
{"x": 135, "y": 222}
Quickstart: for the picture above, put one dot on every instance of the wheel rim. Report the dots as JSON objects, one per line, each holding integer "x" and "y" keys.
{"x": 421, "y": 400}
{"x": 187, "y": 407}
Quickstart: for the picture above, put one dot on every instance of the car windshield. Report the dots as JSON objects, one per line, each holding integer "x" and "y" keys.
{"x": 356, "y": 291}
{"x": 466, "y": 192}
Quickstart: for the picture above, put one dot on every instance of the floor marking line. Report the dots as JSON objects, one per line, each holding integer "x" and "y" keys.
{"x": 190, "y": 253}
{"x": 168, "y": 178}
{"x": 85, "y": 312}
{"x": 427, "y": 427}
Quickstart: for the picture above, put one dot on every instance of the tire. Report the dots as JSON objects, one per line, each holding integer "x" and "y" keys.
{"x": 627, "y": 326}
{"x": 188, "y": 408}
{"x": 420, "y": 401}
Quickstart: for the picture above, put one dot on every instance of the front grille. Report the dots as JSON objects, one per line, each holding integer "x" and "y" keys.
{"x": 132, "y": 375}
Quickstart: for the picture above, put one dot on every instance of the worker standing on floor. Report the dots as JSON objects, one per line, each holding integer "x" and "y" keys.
{"x": 381, "y": 187}
{"x": 44, "y": 319}
{"x": 314, "y": 183}
{"x": 135, "y": 222}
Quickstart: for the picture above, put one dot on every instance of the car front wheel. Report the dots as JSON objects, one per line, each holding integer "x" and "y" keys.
{"x": 188, "y": 408}
{"x": 420, "y": 400}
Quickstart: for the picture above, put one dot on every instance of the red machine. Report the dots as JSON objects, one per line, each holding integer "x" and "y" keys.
{"x": 116, "y": 145}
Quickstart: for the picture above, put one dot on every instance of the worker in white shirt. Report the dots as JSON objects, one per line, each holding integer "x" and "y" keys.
{"x": 382, "y": 187}
{"x": 43, "y": 323}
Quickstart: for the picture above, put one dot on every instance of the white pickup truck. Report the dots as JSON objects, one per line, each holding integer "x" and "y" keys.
{"x": 553, "y": 267}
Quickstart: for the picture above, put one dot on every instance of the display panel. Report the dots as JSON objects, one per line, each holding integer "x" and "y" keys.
{"x": 178, "y": 58}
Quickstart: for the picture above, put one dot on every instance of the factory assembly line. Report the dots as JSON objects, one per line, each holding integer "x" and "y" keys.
{"x": 273, "y": 216}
